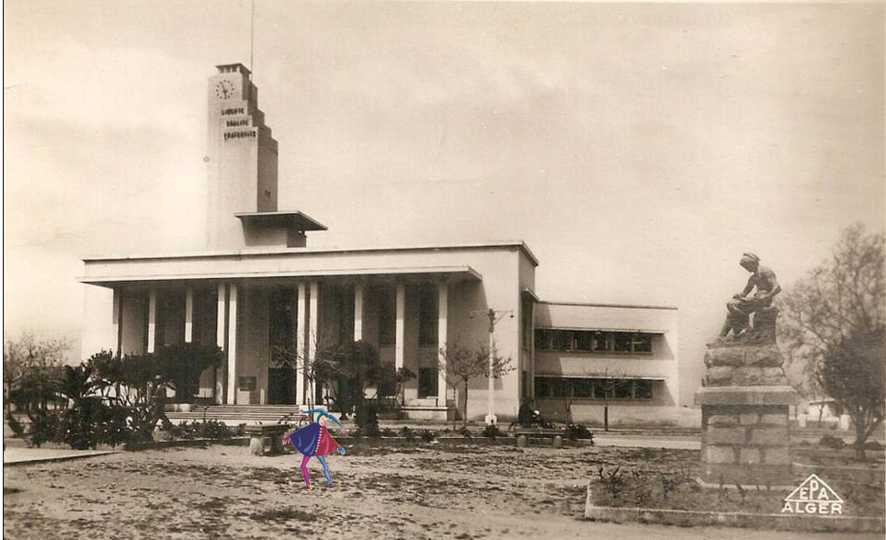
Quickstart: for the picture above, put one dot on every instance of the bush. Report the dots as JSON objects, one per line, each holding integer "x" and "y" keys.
{"x": 112, "y": 428}
{"x": 829, "y": 441}
{"x": 873, "y": 445}
{"x": 210, "y": 429}
{"x": 407, "y": 433}
{"x": 44, "y": 428}
{"x": 214, "y": 429}
{"x": 81, "y": 426}
{"x": 465, "y": 432}
{"x": 17, "y": 428}
{"x": 578, "y": 431}
{"x": 426, "y": 435}
{"x": 491, "y": 432}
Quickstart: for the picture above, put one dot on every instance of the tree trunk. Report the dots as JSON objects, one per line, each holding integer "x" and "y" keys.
{"x": 858, "y": 420}
{"x": 605, "y": 417}
{"x": 464, "y": 416}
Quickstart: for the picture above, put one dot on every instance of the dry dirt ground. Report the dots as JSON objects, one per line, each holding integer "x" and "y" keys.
{"x": 463, "y": 492}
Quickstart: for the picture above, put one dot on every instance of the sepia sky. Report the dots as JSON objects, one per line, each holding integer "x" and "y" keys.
{"x": 638, "y": 149}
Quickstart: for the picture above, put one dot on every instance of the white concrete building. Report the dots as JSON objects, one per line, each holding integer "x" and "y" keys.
{"x": 258, "y": 287}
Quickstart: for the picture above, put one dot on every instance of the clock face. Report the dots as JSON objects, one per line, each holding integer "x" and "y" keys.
{"x": 224, "y": 90}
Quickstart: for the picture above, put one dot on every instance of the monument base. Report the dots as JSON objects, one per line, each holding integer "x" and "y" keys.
{"x": 746, "y": 434}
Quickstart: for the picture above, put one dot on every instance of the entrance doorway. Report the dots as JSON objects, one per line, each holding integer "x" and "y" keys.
{"x": 282, "y": 321}
{"x": 427, "y": 382}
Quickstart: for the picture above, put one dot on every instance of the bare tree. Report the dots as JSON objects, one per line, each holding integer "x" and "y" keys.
{"x": 29, "y": 366}
{"x": 833, "y": 323}
{"x": 462, "y": 364}
{"x": 611, "y": 382}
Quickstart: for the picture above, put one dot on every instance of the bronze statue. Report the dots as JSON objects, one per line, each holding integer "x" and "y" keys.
{"x": 745, "y": 304}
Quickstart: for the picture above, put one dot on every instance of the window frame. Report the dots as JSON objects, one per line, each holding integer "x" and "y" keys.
{"x": 594, "y": 341}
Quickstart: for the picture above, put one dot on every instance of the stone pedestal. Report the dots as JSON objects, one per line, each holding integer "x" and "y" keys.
{"x": 745, "y": 405}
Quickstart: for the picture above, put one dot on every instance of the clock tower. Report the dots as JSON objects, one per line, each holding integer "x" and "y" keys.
{"x": 241, "y": 156}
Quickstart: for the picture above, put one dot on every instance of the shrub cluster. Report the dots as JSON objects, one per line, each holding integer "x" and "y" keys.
{"x": 578, "y": 431}
{"x": 109, "y": 399}
{"x": 210, "y": 429}
{"x": 829, "y": 441}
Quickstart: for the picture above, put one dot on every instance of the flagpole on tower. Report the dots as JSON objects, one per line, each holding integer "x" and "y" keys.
{"x": 251, "y": 35}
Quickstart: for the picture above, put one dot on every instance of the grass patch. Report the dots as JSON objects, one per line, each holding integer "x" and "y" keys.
{"x": 283, "y": 515}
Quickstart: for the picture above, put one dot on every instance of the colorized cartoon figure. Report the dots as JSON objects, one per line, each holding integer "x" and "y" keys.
{"x": 315, "y": 440}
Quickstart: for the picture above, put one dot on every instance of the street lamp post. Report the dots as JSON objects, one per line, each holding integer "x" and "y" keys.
{"x": 490, "y": 410}
{"x": 494, "y": 317}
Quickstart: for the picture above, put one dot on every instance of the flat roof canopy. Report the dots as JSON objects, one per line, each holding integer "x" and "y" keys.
{"x": 600, "y": 329}
{"x": 294, "y": 219}
{"x": 603, "y": 376}
{"x": 453, "y": 273}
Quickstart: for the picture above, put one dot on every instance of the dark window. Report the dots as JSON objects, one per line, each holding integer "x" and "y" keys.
{"x": 642, "y": 343}
{"x": 583, "y": 341}
{"x": 622, "y": 389}
{"x": 542, "y": 387}
{"x": 427, "y": 382}
{"x": 562, "y": 388}
{"x": 281, "y": 324}
{"x": 643, "y": 389}
{"x": 602, "y": 388}
{"x": 622, "y": 342}
{"x": 598, "y": 389}
{"x": 564, "y": 340}
{"x": 601, "y": 342}
{"x": 427, "y": 316}
{"x": 386, "y": 317}
{"x": 582, "y": 388}
{"x": 592, "y": 341}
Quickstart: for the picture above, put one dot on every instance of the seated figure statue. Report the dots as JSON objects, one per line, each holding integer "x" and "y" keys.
{"x": 745, "y": 304}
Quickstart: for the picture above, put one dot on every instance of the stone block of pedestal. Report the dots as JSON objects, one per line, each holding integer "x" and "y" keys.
{"x": 746, "y": 434}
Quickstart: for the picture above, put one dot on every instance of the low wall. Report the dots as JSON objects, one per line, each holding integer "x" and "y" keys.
{"x": 621, "y": 414}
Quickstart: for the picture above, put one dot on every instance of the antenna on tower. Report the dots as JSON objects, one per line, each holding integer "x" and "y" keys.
{"x": 251, "y": 35}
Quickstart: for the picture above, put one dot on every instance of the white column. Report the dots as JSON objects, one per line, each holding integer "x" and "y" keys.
{"x": 152, "y": 319}
{"x": 189, "y": 314}
{"x": 400, "y": 330}
{"x": 220, "y": 342}
{"x": 442, "y": 320}
{"x": 358, "y": 312}
{"x": 117, "y": 321}
{"x": 301, "y": 349}
{"x": 232, "y": 344}
{"x": 313, "y": 327}
{"x": 220, "y": 318}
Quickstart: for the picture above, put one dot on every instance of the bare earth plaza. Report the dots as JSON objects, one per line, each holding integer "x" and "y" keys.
{"x": 498, "y": 271}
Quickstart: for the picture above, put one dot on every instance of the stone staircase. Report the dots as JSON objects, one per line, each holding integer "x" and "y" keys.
{"x": 233, "y": 415}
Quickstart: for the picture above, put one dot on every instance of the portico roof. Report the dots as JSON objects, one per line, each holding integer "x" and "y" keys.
{"x": 453, "y": 273}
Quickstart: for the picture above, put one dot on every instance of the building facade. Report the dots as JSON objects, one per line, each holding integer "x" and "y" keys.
{"x": 259, "y": 289}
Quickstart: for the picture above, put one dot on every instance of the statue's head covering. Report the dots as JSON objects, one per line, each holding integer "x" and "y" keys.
{"x": 751, "y": 257}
